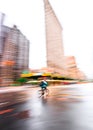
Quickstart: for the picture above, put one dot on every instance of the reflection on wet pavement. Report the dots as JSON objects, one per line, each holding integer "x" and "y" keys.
{"x": 9, "y": 98}
{"x": 66, "y": 108}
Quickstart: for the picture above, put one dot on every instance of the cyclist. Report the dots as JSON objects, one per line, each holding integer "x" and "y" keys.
{"x": 43, "y": 84}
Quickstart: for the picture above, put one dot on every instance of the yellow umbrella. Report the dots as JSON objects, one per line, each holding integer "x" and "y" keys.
{"x": 26, "y": 75}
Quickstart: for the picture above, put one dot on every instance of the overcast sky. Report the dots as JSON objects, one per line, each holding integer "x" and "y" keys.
{"x": 76, "y": 18}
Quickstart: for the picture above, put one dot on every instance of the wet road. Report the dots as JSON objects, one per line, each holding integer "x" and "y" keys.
{"x": 68, "y": 107}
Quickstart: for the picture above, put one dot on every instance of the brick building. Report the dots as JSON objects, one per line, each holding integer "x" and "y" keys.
{"x": 14, "y": 54}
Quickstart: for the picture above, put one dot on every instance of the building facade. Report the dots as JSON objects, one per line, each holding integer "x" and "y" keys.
{"x": 14, "y": 54}
{"x": 54, "y": 40}
{"x": 72, "y": 71}
{"x": 56, "y": 60}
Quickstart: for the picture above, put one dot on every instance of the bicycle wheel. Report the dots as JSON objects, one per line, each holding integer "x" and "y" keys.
{"x": 41, "y": 92}
{"x": 47, "y": 91}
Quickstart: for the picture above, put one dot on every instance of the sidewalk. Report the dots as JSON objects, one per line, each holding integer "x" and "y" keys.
{"x": 14, "y": 88}
{"x": 12, "y": 95}
{"x": 10, "y": 89}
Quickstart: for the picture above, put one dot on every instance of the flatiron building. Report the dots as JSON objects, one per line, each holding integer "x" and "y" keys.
{"x": 54, "y": 40}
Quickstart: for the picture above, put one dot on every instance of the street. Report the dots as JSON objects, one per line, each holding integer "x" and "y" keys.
{"x": 68, "y": 107}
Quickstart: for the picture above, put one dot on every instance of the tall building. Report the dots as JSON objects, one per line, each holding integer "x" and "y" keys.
{"x": 54, "y": 47}
{"x": 54, "y": 40}
{"x": 14, "y": 54}
{"x": 72, "y": 71}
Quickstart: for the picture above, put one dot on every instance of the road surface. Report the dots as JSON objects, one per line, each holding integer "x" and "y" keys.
{"x": 68, "y": 107}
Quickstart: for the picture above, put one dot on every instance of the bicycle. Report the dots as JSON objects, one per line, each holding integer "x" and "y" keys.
{"x": 43, "y": 92}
